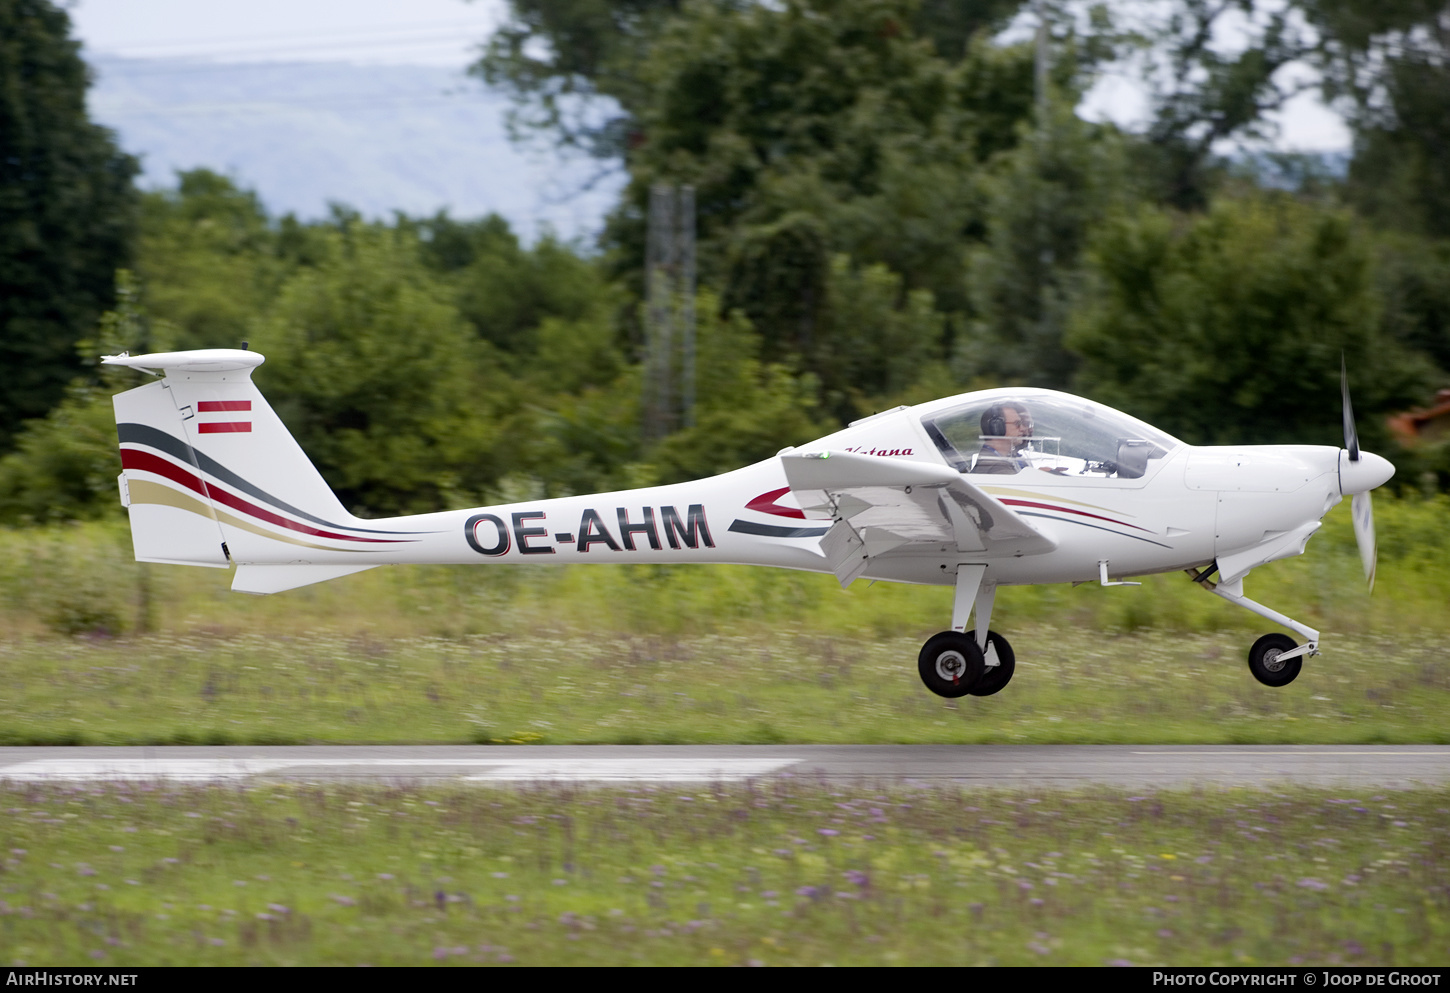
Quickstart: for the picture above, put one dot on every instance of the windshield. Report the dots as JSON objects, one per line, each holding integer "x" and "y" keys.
{"x": 1051, "y": 432}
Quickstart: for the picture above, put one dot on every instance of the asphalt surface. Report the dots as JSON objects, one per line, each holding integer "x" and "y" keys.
{"x": 1019, "y": 766}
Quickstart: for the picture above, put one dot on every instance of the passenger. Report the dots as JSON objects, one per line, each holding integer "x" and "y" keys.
{"x": 1006, "y": 427}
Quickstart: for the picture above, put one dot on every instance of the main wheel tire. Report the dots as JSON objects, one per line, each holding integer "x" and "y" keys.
{"x": 950, "y": 664}
{"x": 1264, "y": 660}
{"x": 994, "y": 677}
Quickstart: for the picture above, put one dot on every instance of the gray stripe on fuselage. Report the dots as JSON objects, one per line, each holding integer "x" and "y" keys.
{"x": 145, "y": 434}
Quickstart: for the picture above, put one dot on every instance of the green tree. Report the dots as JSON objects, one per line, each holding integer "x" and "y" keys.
{"x": 573, "y": 67}
{"x": 67, "y": 210}
{"x": 882, "y": 338}
{"x": 1413, "y": 280}
{"x": 380, "y": 378}
{"x": 1228, "y": 327}
{"x": 65, "y": 464}
{"x": 210, "y": 260}
{"x": 747, "y": 409}
{"x": 818, "y": 128}
{"x": 506, "y": 291}
{"x": 1043, "y": 200}
{"x": 1388, "y": 63}
{"x": 826, "y": 108}
{"x": 1205, "y": 91}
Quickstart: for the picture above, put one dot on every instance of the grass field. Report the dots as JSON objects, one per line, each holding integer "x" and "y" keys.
{"x": 781, "y": 873}
{"x": 1070, "y": 686}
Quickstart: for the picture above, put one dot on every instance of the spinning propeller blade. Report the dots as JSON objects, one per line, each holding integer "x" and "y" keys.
{"x": 1361, "y": 509}
{"x": 1351, "y": 436}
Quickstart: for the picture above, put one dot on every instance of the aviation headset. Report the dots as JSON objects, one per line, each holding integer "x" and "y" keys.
{"x": 994, "y": 419}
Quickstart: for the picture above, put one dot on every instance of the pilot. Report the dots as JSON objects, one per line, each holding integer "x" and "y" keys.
{"x": 1006, "y": 427}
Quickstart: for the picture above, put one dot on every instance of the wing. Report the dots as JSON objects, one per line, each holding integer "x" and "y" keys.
{"x": 884, "y": 505}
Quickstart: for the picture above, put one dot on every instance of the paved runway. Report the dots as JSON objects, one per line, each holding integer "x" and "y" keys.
{"x": 1020, "y": 766}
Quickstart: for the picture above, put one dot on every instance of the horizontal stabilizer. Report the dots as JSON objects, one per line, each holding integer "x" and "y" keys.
{"x": 276, "y": 578}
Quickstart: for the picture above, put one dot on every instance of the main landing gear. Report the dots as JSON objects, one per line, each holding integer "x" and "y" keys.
{"x": 956, "y": 663}
{"x": 1275, "y": 659}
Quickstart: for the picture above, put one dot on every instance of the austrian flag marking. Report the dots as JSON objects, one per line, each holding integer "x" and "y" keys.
{"x": 224, "y": 427}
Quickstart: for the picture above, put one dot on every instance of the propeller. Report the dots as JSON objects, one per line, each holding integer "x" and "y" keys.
{"x": 1361, "y": 510}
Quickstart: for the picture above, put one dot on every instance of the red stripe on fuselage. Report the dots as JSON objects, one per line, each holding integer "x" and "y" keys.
{"x": 765, "y": 504}
{"x": 1067, "y": 510}
{"x": 226, "y": 427}
{"x": 132, "y": 458}
{"x": 206, "y": 406}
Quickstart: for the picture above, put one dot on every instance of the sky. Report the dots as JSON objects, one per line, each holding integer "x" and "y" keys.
{"x": 398, "y": 32}
{"x": 309, "y": 102}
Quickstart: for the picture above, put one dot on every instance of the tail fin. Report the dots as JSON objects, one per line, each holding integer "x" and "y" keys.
{"x": 210, "y": 474}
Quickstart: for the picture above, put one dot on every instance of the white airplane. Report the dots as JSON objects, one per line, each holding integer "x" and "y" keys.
{"x": 1001, "y": 487}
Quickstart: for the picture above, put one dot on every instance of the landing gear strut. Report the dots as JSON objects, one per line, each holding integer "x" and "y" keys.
{"x": 956, "y": 663}
{"x": 996, "y": 676}
{"x": 1275, "y": 659}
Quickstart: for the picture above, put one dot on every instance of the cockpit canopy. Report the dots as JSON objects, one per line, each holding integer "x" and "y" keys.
{"x": 1068, "y": 436}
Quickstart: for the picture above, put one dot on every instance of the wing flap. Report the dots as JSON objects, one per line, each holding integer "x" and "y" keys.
{"x": 891, "y": 504}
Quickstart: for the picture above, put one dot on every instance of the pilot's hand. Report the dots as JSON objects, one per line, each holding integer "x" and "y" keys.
{"x": 1056, "y": 470}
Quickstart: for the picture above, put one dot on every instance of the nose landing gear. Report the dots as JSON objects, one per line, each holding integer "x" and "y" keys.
{"x": 1275, "y": 659}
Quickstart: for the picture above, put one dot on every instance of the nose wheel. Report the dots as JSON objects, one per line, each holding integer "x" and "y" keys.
{"x": 1266, "y": 660}
{"x": 951, "y": 664}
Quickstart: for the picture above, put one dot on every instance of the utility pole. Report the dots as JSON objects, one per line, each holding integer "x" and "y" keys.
{"x": 687, "y": 301}
{"x": 669, "y": 311}
{"x": 659, "y": 273}
{"x": 1041, "y": 62}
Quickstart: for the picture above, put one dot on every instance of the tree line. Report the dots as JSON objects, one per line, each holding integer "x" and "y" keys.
{"x": 893, "y": 203}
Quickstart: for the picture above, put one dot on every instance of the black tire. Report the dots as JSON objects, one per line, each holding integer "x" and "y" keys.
{"x": 994, "y": 677}
{"x": 1264, "y": 660}
{"x": 950, "y": 663}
